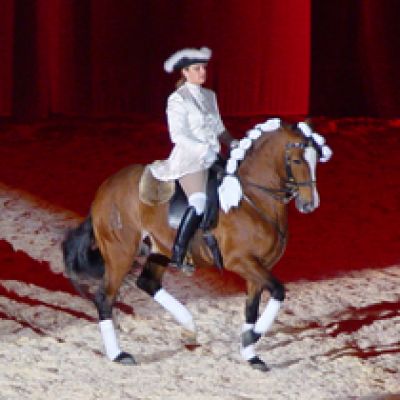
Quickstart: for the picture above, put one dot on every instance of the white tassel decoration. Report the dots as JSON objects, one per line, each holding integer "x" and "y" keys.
{"x": 305, "y": 128}
{"x": 326, "y": 153}
{"x": 319, "y": 139}
{"x": 230, "y": 193}
{"x": 254, "y": 134}
{"x": 231, "y": 166}
{"x": 271, "y": 124}
{"x": 245, "y": 143}
{"x": 238, "y": 153}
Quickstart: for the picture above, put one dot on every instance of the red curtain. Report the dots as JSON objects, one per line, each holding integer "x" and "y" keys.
{"x": 263, "y": 55}
{"x": 101, "y": 57}
{"x": 6, "y": 56}
{"x": 355, "y": 58}
{"x": 104, "y": 57}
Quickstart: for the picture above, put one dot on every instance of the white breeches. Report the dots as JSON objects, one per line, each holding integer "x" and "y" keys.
{"x": 194, "y": 185}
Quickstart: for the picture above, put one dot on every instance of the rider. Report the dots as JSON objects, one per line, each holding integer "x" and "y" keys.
{"x": 195, "y": 127}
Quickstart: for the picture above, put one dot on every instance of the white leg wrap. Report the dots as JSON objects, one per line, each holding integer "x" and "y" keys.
{"x": 247, "y": 326}
{"x": 109, "y": 338}
{"x": 198, "y": 201}
{"x": 262, "y": 325}
{"x": 247, "y": 352}
{"x": 268, "y": 316}
{"x": 177, "y": 309}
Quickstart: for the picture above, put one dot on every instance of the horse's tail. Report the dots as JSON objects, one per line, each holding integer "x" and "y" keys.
{"x": 82, "y": 258}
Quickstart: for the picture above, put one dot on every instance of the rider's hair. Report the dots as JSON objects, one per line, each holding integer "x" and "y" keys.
{"x": 181, "y": 81}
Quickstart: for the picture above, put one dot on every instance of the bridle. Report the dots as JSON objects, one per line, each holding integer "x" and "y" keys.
{"x": 291, "y": 186}
{"x": 287, "y": 193}
{"x": 290, "y": 182}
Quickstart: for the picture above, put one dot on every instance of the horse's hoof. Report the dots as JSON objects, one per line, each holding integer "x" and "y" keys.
{"x": 259, "y": 364}
{"x": 189, "y": 338}
{"x": 125, "y": 359}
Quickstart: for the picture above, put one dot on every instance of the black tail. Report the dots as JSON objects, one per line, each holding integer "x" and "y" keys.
{"x": 81, "y": 258}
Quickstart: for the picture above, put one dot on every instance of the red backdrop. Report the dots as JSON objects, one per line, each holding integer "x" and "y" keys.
{"x": 286, "y": 57}
{"x": 355, "y": 58}
{"x": 102, "y": 57}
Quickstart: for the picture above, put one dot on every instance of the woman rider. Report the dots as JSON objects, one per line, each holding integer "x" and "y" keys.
{"x": 195, "y": 127}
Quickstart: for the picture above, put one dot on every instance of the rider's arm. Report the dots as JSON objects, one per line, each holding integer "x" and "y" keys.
{"x": 227, "y": 139}
{"x": 224, "y": 136}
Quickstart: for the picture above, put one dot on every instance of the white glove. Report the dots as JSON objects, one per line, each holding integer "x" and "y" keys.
{"x": 210, "y": 155}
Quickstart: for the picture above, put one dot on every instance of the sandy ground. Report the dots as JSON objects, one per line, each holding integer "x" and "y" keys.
{"x": 333, "y": 339}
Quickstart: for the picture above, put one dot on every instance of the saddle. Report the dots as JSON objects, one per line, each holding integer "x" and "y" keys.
{"x": 152, "y": 192}
{"x": 179, "y": 203}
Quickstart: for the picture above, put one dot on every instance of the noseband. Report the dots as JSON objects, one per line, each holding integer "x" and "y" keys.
{"x": 290, "y": 182}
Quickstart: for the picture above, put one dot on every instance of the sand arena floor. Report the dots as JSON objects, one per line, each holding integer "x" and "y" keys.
{"x": 337, "y": 336}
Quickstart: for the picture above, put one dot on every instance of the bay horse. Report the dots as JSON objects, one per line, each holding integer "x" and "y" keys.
{"x": 280, "y": 165}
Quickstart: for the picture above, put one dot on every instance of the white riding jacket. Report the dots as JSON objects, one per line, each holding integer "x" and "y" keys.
{"x": 194, "y": 124}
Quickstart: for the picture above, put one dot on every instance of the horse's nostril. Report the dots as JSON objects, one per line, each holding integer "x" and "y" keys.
{"x": 309, "y": 207}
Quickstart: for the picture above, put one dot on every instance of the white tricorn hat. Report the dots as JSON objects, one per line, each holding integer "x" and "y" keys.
{"x": 185, "y": 57}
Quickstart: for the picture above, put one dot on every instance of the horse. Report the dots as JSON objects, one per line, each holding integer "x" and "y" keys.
{"x": 279, "y": 165}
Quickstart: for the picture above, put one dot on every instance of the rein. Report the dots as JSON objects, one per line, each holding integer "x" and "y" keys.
{"x": 267, "y": 218}
{"x": 284, "y": 195}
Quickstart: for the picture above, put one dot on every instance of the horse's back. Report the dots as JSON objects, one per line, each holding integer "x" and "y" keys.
{"x": 119, "y": 185}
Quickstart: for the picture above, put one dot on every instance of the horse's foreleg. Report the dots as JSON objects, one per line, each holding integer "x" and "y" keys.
{"x": 256, "y": 327}
{"x": 267, "y": 318}
{"x": 251, "y": 314}
{"x": 150, "y": 281}
{"x": 252, "y": 303}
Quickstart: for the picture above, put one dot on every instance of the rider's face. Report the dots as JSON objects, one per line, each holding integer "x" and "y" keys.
{"x": 196, "y": 73}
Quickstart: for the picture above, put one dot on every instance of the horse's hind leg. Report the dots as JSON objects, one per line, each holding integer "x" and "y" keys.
{"x": 116, "y": 270}
{"x": 150, "y": 281}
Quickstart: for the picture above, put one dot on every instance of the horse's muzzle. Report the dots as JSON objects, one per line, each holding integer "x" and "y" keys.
{"x": 304, "y": 207}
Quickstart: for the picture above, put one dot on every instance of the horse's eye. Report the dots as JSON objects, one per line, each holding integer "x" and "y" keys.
{"x": 297, "y": 161}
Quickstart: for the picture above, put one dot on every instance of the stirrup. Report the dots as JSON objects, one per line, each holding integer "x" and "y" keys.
{"x": 185, "y": 267}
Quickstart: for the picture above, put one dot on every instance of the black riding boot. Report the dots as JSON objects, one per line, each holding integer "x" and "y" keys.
{"x": 186, "y": 230}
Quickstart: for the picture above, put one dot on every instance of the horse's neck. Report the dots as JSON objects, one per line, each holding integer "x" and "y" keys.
{"x": 264, "y": 166}
{"x": 263, "y": 176}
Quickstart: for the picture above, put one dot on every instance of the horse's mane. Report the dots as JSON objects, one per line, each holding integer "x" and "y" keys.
{"x": 269, "y": 148}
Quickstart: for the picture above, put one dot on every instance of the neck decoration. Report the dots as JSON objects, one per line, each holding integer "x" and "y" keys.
{"x": 230, "y": 191}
